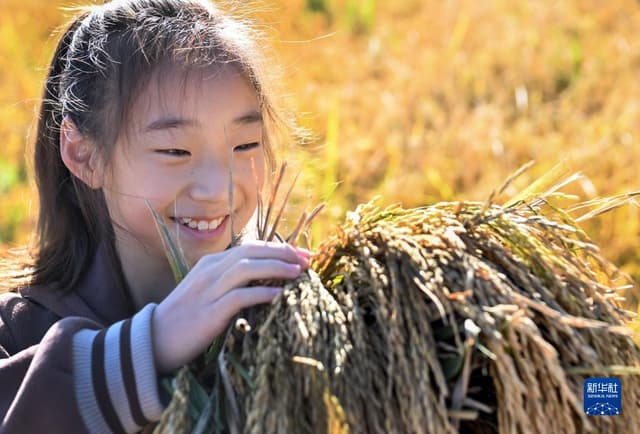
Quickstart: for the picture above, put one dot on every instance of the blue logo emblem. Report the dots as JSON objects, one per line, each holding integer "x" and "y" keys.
{"x": 602, "y": 396}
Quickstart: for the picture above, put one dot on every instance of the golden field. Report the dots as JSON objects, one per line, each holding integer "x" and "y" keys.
{"x": 416, "y": 101}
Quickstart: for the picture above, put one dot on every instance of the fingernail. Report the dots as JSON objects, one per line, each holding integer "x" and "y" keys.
{"x": 276, "y": 291}
{"x": 303, "y": 252}
{"x": 304, "y": 262}
{"x": 295, "y": 268}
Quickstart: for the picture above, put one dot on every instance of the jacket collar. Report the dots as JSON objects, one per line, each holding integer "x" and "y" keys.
{"x": 99, "y": 294}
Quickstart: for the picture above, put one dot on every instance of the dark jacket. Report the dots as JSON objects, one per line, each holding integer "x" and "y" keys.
{"x": 81, "y": 362}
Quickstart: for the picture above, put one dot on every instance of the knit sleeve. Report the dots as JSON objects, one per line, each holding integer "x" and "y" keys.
{"x": 82, "y": 378}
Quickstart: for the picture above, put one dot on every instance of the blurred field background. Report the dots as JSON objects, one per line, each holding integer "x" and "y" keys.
{"x": 417, "y": 101}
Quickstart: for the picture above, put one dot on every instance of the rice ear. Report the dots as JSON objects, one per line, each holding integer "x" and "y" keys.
{"x": 447, "y": 318}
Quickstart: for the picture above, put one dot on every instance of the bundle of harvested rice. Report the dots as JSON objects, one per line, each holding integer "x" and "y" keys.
{"x": 457, "y": 317}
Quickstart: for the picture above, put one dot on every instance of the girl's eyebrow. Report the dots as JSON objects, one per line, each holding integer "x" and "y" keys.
{"x": 172, "y": 121}
{"x": 250, "y": 117}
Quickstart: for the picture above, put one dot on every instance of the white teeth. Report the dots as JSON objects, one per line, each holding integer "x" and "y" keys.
{"x": 215, "y": 223}
{"x": 201, "y": 225}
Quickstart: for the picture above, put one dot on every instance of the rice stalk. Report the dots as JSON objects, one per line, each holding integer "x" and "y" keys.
{"x": 456, "y": 317}
{"x": 190, "y": 404}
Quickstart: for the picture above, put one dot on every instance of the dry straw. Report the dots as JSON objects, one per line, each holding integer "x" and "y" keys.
{"x": 457, "y": 317}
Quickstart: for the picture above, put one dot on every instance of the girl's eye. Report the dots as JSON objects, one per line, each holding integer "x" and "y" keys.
{"x": 173, "y": 152}
{"x": 246, "y": 146}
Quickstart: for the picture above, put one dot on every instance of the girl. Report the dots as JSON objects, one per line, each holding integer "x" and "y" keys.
{"x": 145, "y": 100}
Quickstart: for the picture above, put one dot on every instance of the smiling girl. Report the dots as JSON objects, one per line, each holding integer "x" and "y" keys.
{"x": 146, "y": 101}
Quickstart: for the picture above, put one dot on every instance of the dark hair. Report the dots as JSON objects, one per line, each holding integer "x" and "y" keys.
{"x": 104, "y": 59}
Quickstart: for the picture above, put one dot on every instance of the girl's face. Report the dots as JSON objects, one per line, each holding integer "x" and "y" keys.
{"x": 183, "y": 139}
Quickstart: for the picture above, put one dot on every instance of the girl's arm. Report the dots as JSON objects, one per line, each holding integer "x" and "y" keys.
{"x": 82, "y": 377}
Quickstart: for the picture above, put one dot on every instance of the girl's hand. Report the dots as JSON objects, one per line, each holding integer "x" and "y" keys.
{"x": 201, "y": 306}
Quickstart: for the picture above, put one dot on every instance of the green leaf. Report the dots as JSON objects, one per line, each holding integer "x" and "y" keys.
{"x": 214, "y": 350}
{"x": 242, "y": 371}
{"x": 451, "y": 365}
{"x": 203, "y": 420}
{"x": 174, "y": 254}
{"x": 198, "y": 397}
{"x": 443, "y": 333}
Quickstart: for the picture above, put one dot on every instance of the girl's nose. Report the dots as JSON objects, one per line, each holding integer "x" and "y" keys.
{"x": 210, "y": 182}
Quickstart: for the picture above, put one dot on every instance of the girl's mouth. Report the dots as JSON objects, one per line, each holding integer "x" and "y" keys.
{"x": 203, "y": 228}
{"x": 201, "y": 225}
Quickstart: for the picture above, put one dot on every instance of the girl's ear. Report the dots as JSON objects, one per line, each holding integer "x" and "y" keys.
{"x": 78, "y": 154}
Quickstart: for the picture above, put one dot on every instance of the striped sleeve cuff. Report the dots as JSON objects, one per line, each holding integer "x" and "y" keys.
{"x": 115, "y": 377}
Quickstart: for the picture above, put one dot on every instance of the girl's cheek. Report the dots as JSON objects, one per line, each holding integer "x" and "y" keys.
{"x": 254, "y": 170}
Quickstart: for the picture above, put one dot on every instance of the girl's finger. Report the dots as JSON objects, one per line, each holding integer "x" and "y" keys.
{"x": 236, "y": 300}
{"x": 244, "y": 271}
{"x": 263, "y": 250}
